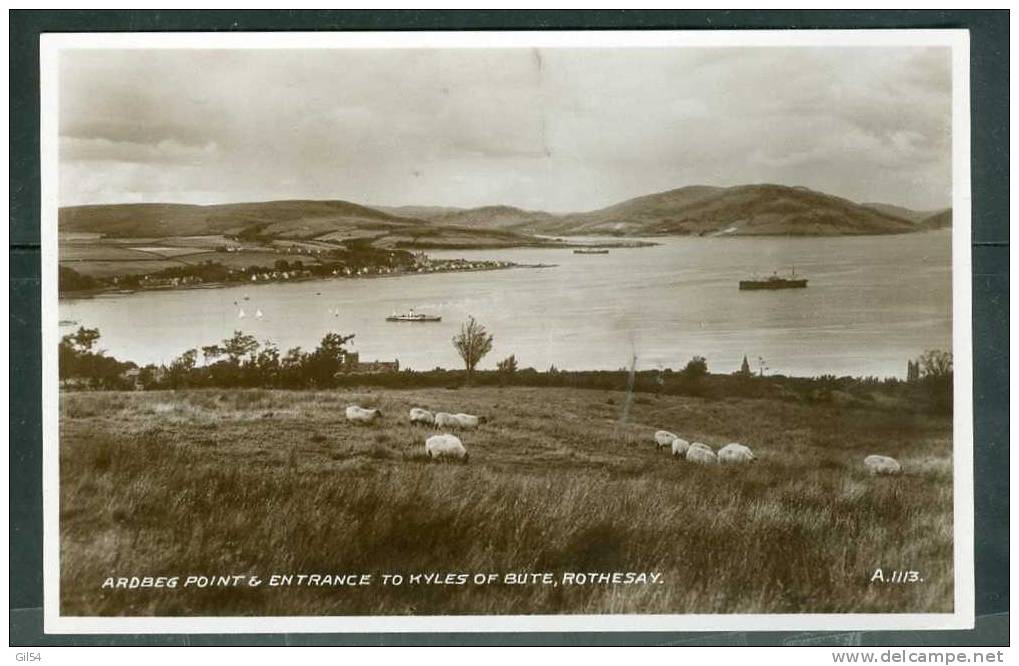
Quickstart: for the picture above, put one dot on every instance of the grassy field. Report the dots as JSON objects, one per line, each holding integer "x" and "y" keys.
{"x": 256, "y": 482}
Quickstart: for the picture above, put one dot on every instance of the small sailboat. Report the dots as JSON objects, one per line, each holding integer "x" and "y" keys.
{"x": 241, "y": 315}
{"x": 258, "y": 314}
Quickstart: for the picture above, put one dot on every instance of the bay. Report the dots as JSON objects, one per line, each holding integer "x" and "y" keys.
{"x": 872, "y": 303}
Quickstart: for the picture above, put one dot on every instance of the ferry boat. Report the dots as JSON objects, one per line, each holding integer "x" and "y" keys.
{"x": 774, "y": 282}
{"x": 413, "y": 316}
{"x": 590, "y": 251}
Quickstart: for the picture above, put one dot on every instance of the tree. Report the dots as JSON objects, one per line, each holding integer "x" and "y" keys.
{"x": 473, "y": 343}
{"x": 322, "y": 364}
{"x": 211, "y": 353}
{"x": 265, "y": 364}
{"x": 935, "y": 364}
{"x": 180, "y": 368}
{"x": 508, "y": 365}
{"x": 744, "y": 369}
{"x": 696, "y": 368}
{"x": 238, "y": 346}
{"x": 936, "y": 378}
{"x": 83, "y": 339}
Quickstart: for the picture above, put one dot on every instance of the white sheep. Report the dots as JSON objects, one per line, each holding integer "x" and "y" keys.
{"x": 360, "y": 415}
{"x": 699, "y": 445}
{"x": 679, "y": 447}
{"x": 882, "y": 465}
{"x": 736, "y": 454}
{"x": 461, "y": 421}
{"x": 701, "y": 455}
{"x": 664, "y": 438}
{"x": 422, "y": 416}
{"x": 446, "y": 420}
{"x": 445, "y": 446}
{"x": 468, "y": 421}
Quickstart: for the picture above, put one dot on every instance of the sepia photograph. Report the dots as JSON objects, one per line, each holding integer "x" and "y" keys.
{"x": 507, "y": 331}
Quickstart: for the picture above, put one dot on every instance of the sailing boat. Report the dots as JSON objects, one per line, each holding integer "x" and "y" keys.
{"x": 241, "y": 315}
{"x": 258, "y": 314}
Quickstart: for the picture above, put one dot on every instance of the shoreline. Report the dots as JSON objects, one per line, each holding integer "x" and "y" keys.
{"x": 112, "y": 291}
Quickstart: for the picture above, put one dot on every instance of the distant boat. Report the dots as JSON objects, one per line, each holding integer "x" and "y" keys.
{"x": 590, "y": 252}
{"x": 241, "y": 315}
{"x": 69, "y": 322}
{"x": 413, "y": 316}
{"x": 258, "y": 314}
{"x": 774, "y": 282}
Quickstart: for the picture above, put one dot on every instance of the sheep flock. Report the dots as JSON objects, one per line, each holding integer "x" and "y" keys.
{"x": 449, "y": 446}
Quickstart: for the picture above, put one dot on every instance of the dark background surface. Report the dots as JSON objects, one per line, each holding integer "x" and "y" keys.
{"x": 989, "y": 69}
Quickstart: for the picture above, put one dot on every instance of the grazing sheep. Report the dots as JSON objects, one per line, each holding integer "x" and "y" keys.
{"x": 468, "y": 421}
{"x": 679, "y": 447}
{"x": 664, "y": 438}
{"x": 446, "y": 420}
{"x": 422, "y": 416}
{"x": 461, "y": 421}
{"x": 736, "y": 454}
{"x": 882, "y": 465}
{"x": 357, "y": 414}
{"x": 699, "y": 445}
{"x": 701, "y": 455}
{"x": 445, "y": 446}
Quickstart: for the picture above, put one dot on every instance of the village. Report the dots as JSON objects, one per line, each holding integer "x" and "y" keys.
{"x": 307, "y": 264}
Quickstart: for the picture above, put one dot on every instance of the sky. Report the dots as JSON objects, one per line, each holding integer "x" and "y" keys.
{"x": 543, "y": 129}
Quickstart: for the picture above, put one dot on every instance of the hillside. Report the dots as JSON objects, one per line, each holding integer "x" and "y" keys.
{"x": 277, "y": 482}
{"x": 484, "y": 217}
{"x": 748, "y": 210}
{"x": 279, "y": 218}
{"x": 942, "y": 220}
{"x": 914, "y": 216}
{"x": 745, "y": 210}
{"x": 294, "y": 220}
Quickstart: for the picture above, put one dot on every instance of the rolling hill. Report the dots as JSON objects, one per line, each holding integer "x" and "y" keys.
{"x": 277, "y": 218}
{"x": 914, "y": 216}
{"x": 297, "y": 219}
{"x": 484, "y": 217}
{"x": 942, "y": 220}
{"x": 747, "y": 210}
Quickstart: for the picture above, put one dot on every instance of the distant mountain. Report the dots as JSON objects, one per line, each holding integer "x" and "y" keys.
{"x": 484, "y": 217}
{"x": 420, "y": 212}
{"x": 746, "y": 210}
{"x": 298, "y": 219}
{"x": 276, "y": 218}
{"x": 942, "y": 220}
{"x": 914, "y": 216}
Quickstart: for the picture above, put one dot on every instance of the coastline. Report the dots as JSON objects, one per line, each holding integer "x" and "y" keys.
{"x": 107, "y": 291}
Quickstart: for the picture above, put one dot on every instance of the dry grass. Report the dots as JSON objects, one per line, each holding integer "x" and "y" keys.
{"x": 261, "y": 482}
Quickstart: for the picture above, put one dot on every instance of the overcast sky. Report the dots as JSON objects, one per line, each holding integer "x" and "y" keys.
{"x": 552, "y": 129}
